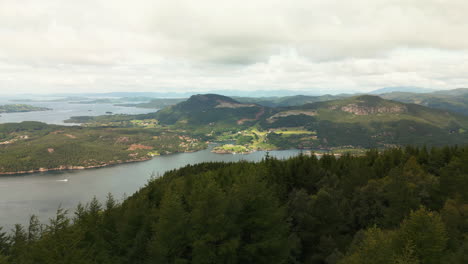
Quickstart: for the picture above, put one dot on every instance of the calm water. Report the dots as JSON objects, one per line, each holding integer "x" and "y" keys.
{"x": 42, "y": 193}
{"x": 64, "y": 110}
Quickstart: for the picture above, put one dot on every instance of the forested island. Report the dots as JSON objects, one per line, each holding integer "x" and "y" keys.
{"x": 397, "y": 206}
{"x": 17, "y": 108}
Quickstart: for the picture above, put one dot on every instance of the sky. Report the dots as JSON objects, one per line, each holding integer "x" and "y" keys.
{"x": 315, "y": 46}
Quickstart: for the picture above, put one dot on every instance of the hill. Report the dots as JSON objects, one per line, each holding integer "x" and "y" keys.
{"x": 288, "y": 100}
{"x": 452, "y": 100}
{"x": 398, "y": 206}
{"x": 355, "y": 122}
{"x": 408, "y": 89}
{"x": 210, "y": 109}
{"x": 370, "y": 121}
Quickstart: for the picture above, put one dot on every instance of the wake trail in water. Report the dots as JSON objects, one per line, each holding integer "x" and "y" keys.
{"x": 64, "y": 180}
{"x": 36, "y": 182}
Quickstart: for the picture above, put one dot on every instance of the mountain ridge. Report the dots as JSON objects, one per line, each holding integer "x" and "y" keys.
{"x": 364, "y": 120}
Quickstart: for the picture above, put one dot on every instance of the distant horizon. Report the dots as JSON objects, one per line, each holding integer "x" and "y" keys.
{"x": 246, "y": 93}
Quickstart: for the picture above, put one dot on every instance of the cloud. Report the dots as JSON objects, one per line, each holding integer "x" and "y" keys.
{"x": 326, "y": 45}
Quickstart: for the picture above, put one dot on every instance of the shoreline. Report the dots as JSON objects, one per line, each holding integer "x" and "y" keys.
{"x": 70, "y": 168}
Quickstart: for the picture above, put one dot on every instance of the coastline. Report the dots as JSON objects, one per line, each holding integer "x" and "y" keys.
{"x": 70, "y": 167}
{"x": 119, "y": 162}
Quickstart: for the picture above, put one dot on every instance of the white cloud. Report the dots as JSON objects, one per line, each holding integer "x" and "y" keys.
{"x": 326, "y": 45}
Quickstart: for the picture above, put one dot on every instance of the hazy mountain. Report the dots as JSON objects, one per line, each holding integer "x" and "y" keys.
{"x": 289, "y": 100}
{"x": 453, "y": 100}
{"x": 156, "y": 103}
{"x": 373, "y": 121}
{"x": 408, "y": 89}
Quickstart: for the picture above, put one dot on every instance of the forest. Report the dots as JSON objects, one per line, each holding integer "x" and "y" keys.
{"x": 401, "y": 205}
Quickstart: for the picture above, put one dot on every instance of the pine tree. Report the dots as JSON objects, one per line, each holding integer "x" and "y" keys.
{"x": 425, "y": 232}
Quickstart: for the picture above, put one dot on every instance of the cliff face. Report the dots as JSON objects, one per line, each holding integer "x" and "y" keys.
{"x": 370, "y": 110}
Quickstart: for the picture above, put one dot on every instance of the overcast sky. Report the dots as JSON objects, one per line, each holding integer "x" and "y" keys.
{"x": 321, "y": 46}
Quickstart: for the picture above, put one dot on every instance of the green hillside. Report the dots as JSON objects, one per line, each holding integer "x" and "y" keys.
{"x": 295, "y": 100}
{"x": 355, "y": 122}
{"x": 455, "y": 100}
{"x": 370, "y": 121}
{"x": 156, "y": 103}
{"x": 452, "y": 100}
{"x": 210, "y": 109}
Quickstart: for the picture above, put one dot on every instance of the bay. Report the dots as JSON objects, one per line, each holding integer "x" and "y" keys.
{"x": 64, "y": 110}
{"x": 43, "y": 193}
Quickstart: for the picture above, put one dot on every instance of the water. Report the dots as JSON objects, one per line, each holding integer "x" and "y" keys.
{"x": 42, "y": 193}
{"x": 64, "y": 110}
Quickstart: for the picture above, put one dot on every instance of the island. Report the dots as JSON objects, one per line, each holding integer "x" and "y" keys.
{"x": 19, "y": 108}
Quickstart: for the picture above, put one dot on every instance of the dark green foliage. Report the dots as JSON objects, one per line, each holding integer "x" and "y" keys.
{"x": 242, "y": 140}
{"x": 298, "y": 141}
{"x": 397, "y": 206}
{"x": 290, "y": 121}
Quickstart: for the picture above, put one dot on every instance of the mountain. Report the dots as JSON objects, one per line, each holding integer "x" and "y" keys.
{"x": 370, "y": 121}
{"x": 184, "y": 94}
{"x": 156, "y": 103}
{"x": 452, "y": 100}
{"x": 453, "y": 92}
{"x": 364, "y": 121}
{"x": 210, "y": 109}
{"x": 408, "y": 89}
{"x": 289, "y": 100}
{"x": 266, "y": 93}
